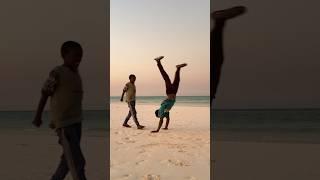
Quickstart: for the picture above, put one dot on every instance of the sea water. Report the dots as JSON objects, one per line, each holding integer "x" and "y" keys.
{"x": 93, "y": 120}
{"x": 267, "y": 125}
{"x": 180, "y": 100}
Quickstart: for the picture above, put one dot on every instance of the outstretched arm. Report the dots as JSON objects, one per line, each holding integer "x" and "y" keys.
{"x": 121, "y": 99}
{"x": 124, "y": 91}
{"x": 48, "y": 89}
{"x": 159, "y": 126}
{"x": 167, "y": 123}
{"x": 38, "y": 117}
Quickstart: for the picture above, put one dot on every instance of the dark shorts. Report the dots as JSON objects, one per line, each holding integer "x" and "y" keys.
{"x": 165, "y": 107}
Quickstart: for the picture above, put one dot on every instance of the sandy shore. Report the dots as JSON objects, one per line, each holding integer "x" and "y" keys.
{"x": 34, "y": 154}
{"x": 265, "y": 161}
{"x": 181, "y": 153}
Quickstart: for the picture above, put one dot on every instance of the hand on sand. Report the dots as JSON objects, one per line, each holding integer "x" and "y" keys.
{"x": 158, "y": 58}
{"x": 154, "y": 131}
{"x": 181, "y": 65}
{"x": 37, "y": 122}
{"x": 52, "y": 126}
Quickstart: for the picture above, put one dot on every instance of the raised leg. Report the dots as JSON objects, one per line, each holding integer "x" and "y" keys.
{"x": 175, "y": 84}
{"x": 216, "y": 44}
{"x": 164, "y": 74}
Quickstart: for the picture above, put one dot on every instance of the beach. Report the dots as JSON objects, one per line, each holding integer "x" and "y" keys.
{"x": 28, "y": 153}
{"x": 180, "y": 153}
{"x": 265, "y": 161}
{"x": 267, "y": 144}
{"x": 263, "y": 150}
{"x": 32, "y": 155}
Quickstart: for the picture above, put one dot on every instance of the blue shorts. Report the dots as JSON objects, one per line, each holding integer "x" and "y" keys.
{"x": 165, "y": 107}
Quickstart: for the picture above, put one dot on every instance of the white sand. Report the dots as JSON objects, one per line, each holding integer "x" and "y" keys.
{"x": 180, "y": 153}
{"x": 265, "y": 161}
{"x": 35, "y": 154}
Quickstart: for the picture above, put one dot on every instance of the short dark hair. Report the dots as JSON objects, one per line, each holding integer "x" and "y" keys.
{"x": 131, "y": 75}
{"x": 157, "y": 113}
{"x": 166, "y": 114}
{"x": 67, "y": 46}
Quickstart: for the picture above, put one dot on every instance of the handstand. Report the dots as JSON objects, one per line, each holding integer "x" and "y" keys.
{"x": 216, "y": 59}
{"x": 216, "y": 43}
{"x": 171, "y": 91}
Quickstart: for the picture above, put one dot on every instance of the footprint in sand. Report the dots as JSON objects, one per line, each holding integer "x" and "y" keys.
{"x": 140, "y": 162}
{"x": 175, "y": 162}
{"x": 142, "y": 151}
{"x": 151, "y": 177}
{"x": 149, "y": 145}
{"x": 180, "y": 138}
{"x": 153, "y": 134}
{"x": 191, "y": 178}
{"x": 126, "y": 176}
{"x": 137, "y": 134}
{"x": 180, "y": 147}
{"x": 128, "y": 140}
{"x": 182, "y": 151}
{"x": 119, "y": 143}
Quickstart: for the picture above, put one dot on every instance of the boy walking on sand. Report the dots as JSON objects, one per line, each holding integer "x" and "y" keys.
{"x": 64, "y": 86}
{"x": 130, "y": 90}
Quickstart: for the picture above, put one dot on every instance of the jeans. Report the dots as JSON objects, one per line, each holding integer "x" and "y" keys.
{"x": 132, "y": 112}
{"x": 72, "y": 158}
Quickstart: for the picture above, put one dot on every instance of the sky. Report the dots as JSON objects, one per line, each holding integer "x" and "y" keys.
{"x": 31, "y": 35}
{"x": 271, "y": 55}
{"x": 271, "y": 52}
{"x": 141, "y": 30}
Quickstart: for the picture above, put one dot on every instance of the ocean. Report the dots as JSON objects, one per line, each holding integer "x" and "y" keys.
{"x": 278, "y": 125}
{"x": 267, "y": 120}
{"x": 94, "y": 120}
{"x": 180, "y": 100}
{"x": 265, "y": 125}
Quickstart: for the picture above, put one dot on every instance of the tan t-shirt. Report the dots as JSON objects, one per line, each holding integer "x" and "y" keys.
{"x": 66, "y": 96}
{"x": 130, "y": 90}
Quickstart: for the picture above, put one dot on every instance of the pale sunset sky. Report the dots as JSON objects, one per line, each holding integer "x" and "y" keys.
{"x": 141, "y": 30}
{"x": 31, "y": 35}
{"x": 271, "y": 55}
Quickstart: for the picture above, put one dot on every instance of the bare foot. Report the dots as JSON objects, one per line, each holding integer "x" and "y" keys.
{"x": 126, "y": 125}
{"x": 181, "y": 65}
{"x": 165, "y": 128}
{"x": 158, "y": 58}
{"x": 141, "y": 127}
{"x": 154, "y": 131}
{"x": 229, "y": 13}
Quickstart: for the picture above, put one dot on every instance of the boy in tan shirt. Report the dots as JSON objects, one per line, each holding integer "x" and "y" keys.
{"x": 130, "y": 90}
{"x": 64, "y": 86}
